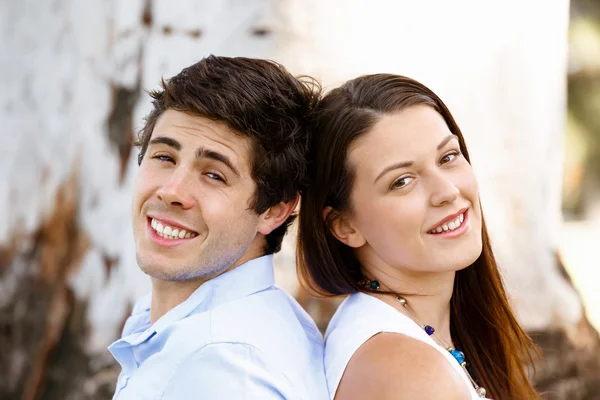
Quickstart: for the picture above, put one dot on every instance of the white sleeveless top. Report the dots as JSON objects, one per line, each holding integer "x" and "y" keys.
{"x": 360, "y": 317}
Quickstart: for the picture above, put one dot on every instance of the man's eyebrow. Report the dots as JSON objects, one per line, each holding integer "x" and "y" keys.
{"x": 168, "y": 141}
{"x": 214, "y": 155}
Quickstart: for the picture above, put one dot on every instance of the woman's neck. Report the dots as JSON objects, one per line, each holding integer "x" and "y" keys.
{"x": 427, "y": 295}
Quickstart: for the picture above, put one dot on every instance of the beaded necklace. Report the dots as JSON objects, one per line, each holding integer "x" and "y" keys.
{"x": 458, "y": 355}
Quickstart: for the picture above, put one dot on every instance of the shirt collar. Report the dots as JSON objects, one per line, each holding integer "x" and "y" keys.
{"x": 251, "y": 277}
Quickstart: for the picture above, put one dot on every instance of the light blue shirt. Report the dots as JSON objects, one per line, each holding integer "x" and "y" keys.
{"x": 236, "y": 337}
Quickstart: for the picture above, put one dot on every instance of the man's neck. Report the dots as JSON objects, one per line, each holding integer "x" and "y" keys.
{"x": 167, "y": 295}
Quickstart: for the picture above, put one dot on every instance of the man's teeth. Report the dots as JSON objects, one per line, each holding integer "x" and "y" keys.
{"x": 169, "y": 232}
{"x": 450, "y": 226}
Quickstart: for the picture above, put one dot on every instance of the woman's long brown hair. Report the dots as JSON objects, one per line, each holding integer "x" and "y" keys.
{"x": 481, "y": 321}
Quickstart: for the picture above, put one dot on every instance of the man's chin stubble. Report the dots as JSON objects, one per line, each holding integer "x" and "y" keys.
{"x": 179, "y": 273}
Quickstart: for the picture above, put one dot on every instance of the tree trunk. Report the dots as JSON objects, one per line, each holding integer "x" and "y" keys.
{"x": 71, "y": 101}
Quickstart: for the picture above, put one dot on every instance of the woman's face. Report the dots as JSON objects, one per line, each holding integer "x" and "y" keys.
{"x": 414, "y": 202}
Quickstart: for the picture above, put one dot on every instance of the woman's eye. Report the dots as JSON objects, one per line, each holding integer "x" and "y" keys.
{"x": 449, "y": 157}
{"x": 401, "y": 182}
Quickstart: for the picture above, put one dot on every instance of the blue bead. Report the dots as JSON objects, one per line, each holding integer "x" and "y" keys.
{"x": 458, "y": 355}
{"x": 374, "y": 285}
{"x": 429, "y": 330}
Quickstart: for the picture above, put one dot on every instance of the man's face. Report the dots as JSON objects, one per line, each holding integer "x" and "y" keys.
{"x": 191, "y": 204}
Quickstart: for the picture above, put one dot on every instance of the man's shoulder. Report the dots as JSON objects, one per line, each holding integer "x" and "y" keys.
{"x": 271, "y": 322}
{"x": 267, "y": 313}
{"x": 263, "y": 328}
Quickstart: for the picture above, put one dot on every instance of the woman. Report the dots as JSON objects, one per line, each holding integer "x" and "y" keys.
{"x": 392, "y": 218}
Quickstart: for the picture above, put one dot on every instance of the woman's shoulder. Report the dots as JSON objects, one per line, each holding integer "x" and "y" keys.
{"x": 359, "y": 317}
{"x": 363, "y": 319}
{"x": 361, "y": 312}
{"x": 391, "y": 365}
{"x": 353, "y": 305}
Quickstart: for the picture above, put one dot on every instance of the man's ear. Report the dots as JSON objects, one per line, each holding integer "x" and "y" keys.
{"x": 342, "y": 228}
{"x": 276, "y": 215}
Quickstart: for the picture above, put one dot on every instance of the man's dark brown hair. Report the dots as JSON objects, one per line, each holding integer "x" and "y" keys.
{"x": 258, "y": 99}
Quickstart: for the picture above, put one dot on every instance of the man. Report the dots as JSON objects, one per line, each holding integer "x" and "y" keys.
{"x": 221, "y": 163}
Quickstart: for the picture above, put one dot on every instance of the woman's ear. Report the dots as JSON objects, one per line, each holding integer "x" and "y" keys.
{"x": 342, "y": 228}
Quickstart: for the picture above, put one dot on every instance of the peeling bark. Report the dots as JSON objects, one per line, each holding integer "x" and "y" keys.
{"x": 147, "y": 13}
{"x": 120, "y": 122}
{"x": 34, "y": 320}
{"x": 570, "y": 366}
{"x": 71, "y": 375}
{"x": 6, "y": 256}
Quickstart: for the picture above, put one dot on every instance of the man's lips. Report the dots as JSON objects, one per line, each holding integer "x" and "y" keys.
{"x": 169, "y": 222}
{"x": 169, "y": 230}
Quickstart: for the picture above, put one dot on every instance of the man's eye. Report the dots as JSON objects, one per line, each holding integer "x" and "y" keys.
{"x": 163, "y": 158}
{"x": 215, "y": 176}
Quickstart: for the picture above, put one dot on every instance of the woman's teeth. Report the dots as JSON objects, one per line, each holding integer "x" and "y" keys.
{"x": 169, "y": 232}
{"x": 450, "y": 226}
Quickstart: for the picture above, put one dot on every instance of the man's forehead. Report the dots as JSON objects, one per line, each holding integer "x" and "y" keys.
{"x": 197, "y": 128}
{"x": 177, "y": 119}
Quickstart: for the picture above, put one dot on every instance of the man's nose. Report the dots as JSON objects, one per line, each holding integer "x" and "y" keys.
{"x": 176, "y": 191}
